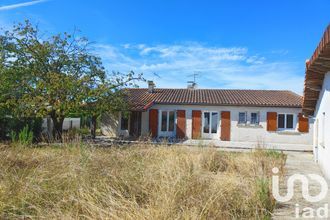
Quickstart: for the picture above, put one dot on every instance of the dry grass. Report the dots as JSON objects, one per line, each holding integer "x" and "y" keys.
{"x": 78, "y": 182}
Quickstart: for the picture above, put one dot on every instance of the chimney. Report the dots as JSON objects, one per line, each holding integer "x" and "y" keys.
{"x": 151, "y": 86}
{"x": 191, "y": 85}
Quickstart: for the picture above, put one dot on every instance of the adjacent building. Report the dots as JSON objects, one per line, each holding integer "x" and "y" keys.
{"x": 316, "y": 102}
{"x": 237, "y": 116}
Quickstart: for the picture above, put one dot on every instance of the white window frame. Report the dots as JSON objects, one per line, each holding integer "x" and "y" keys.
{"x": 211, "y": 135}
{"x": 294, "y": 122}
{"x": 245, "y": 121}
{"x": 167, "y": 133}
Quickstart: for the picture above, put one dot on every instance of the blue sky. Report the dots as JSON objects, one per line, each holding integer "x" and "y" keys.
{"x": 230, "y": 44}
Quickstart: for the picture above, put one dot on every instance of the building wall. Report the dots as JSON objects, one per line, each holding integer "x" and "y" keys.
{"x": 68, "y": 123}
{"x": 145, "y": 124}
{"x": 110, "y": 126}
{"x": 322, "y": 127}
{"x": 249, "y": 133}
{"x": 239, "y": 133}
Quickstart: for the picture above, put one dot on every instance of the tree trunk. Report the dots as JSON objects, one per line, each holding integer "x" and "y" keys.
{"x": 58, "y": 127}
{"x": 93, "y": 126}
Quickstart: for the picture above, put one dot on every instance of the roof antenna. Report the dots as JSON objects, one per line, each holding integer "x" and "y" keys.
{"x": 193, "y": 84}
{"x": 156, "y": 75}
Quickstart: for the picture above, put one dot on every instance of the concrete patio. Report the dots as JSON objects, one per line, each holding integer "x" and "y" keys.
{"x": 250, "y": 145}
{"x": 300, "y": 163}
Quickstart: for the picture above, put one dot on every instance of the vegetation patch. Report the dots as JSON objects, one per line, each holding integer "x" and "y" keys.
{"x": 137, "y": 182}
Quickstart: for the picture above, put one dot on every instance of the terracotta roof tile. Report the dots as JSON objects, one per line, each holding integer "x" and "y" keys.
{"x": 141, "y": 99}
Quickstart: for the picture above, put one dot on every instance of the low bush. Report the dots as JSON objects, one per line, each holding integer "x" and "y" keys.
{"x": 24, "y": 137}
{"x": 8, "y": 125}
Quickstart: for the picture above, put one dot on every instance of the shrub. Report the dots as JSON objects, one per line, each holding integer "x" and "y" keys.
{"x": 11, "y": 124}
{"x": 13, "y": 136}
{"x": 274, "y": 153}
{"x": 264, "y": 196}
{"x": 25, "y": 136}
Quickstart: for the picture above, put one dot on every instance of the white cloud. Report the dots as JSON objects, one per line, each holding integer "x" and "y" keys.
{"x": 19, "y": 5}
{"x": 218, "y": 67}
{"x": 281, "y": 52}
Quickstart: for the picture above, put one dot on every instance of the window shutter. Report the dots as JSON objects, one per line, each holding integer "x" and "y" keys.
{"x": 271, "y": 121}
{"x": 153, "y": 122}
{"x": 181, "y": 124}
{"x": 196, "y": 124}
{"x": 303, "y": 125}
{"x": 225, "y": 126}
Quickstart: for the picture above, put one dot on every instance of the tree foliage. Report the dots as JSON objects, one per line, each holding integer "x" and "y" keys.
{"x": 56, "y": 76}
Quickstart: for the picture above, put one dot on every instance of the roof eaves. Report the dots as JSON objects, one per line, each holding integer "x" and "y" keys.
{"x": 316, "y": 67}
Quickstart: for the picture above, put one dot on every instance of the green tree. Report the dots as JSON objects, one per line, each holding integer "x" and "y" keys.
{"x": 107, "y": 97}
{"x": 56, "y": 76}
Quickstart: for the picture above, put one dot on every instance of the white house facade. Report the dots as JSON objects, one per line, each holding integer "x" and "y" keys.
{"x": 317, "y": 100}
{"x": 322, "y": 127}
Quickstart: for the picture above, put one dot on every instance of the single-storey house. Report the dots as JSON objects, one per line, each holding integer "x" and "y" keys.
{"x": 255, "y": 116}
{"x": 317, "y": 100}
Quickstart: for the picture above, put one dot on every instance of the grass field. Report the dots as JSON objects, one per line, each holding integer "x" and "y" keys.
{"x": 137, "y": 182}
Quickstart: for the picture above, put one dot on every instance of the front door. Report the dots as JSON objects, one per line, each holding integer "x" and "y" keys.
{"x": 210, "y": 125}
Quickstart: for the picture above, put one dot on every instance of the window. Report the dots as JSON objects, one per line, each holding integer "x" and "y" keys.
{"x": 254, "y": 118}
{"x": 242, "y": 118}
{"x": 214, "y": 123}
{"x": 285, "y": 121}
{"x": 289, "y": 121}
{"x": 281, "y": 121}
{"x": 210, "y": 124}
{"x": 206, "y": 128}
{"x": 171, "y": 121}
{"x": 167, "y": 121}
{"x": 164, "y": 121}
{"x": 124, "y": 123}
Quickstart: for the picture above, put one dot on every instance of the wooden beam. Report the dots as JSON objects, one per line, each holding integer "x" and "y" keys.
{"x": 323, "y": 65}
{"x": 310, "y": 91}
{"x": 324, "y": 58}
{"x": 314, "y": 88}
{"x": 313, "y": 79}
{"x": 317, "y": 69}
{"x": 313, "y": 84}
{"x": 313, "y": 73}
{"x": 310, "y": 109}
{"x": 309, "y": 99}
{"x": 308, "y": 112}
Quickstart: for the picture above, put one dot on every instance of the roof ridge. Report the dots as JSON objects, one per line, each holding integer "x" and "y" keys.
{"x": 213, "y": 89}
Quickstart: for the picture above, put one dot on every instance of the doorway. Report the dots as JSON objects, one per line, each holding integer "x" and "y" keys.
{"x": 210, "y": 125}
{"x": 135, "y": 124}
